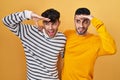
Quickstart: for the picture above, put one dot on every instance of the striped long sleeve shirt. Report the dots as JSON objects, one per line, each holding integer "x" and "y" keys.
{"x": 40, "y": 50}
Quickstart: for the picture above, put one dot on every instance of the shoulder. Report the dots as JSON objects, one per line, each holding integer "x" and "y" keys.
{"x": 95, "y": 37}
{"x": 69, "y": 32}
{"x": 61, "y": 35}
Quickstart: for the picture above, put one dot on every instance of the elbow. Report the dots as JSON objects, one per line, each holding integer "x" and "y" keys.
{"x": 4, "y": 21}
{"x": 112, "y": 51}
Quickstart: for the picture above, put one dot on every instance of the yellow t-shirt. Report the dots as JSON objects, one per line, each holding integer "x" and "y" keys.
{"x": 81, "y": 52}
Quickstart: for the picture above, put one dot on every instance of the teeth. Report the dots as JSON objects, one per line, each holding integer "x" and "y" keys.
{"x": 51, "y": 31}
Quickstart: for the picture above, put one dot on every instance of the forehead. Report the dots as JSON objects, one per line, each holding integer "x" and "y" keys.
{"x": 79, "y": 17}
{"x": 57, "y": 21}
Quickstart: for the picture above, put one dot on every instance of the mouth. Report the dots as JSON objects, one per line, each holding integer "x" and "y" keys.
{"x": 51, "y": 33}
{"x": 80, "y": 29}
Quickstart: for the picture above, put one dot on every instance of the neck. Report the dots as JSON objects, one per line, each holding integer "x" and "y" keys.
{"x": 82, "y": 35}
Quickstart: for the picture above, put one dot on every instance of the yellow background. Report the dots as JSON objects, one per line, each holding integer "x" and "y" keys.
{"x": 12, "y": 57}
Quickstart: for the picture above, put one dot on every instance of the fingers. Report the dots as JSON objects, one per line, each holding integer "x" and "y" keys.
{"x": 87, "y": 16}
{"x": 43, "y": 18}
{"x": 40, "y": 27}
{"x": 36, "y": 17}
{"x": 36, "y": 23}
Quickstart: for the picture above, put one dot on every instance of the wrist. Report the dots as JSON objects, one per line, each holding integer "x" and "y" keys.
{"x": 91, "y": 17}
{"x": 28, "y": 14}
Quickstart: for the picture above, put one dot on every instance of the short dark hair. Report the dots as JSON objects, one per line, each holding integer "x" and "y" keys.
{"x": 83, "y": 11}
{"x": 52, "y": 14}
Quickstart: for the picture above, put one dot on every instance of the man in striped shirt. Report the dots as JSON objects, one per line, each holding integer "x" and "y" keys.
{"x": 42, "y": 47}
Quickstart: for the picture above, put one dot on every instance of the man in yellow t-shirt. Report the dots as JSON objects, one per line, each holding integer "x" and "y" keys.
{"x": 83, "y": 48}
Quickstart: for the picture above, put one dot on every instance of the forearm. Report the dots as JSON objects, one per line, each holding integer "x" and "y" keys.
{"x": 13, "y": 22}
{"x": 16, "y": 18}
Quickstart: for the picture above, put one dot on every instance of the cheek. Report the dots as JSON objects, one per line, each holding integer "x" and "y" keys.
{"x": 55, "y": 26}
{"x": 86, "y": 25}
{"x": 46, "y": 27}
{"x": 77, "y": 25}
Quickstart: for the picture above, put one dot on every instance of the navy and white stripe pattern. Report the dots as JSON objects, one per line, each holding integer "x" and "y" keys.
{"x": 40, "y": 50}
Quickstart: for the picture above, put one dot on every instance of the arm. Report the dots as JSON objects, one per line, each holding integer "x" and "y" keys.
{"x": 108, "y": 45}
{"x": 61, "y": 61}
{"x": 13, "y": 21}
{"x": 60, "y": 66}
{"x": 107, "y": 42}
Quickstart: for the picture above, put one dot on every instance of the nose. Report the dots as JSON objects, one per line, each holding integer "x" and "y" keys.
{"x": 50, "y": 26}
{"x": 81, "y": 25}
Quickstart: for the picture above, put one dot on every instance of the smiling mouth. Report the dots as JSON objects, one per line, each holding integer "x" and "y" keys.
{"x": 51, "y": 32}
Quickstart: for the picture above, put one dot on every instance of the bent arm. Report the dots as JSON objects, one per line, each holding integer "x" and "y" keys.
{"x": 13, "y": 21}
{"x": 108, "y": 45}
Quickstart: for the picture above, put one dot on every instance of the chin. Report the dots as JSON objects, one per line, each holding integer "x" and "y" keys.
{"x": 52, "y": 36}
{"x": 81, "y": 33}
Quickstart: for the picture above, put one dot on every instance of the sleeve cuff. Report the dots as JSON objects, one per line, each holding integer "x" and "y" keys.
{"x": 28, "y": 14}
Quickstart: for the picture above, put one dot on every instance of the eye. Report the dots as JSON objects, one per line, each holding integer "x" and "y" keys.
{"x": 78, "y": 21}
{"x": 86, "y": 21}
{"x": 54, "y": 23}
{"x": 46, "y": 22}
